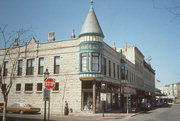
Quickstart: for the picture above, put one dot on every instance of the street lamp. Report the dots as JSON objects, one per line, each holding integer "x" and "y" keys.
{"x": 103, "y": 97}
{"x": 46, "y": 75}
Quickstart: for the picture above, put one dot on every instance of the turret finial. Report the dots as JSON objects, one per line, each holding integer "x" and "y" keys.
{"x": 91, "y": 3}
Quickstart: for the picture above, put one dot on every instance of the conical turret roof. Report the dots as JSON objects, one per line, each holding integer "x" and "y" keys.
{"x": 91, "y": 25}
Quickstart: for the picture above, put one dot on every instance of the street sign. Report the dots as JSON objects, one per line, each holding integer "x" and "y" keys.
{"x": 46, "y": 95}
{"x": 49, "y": 83}
{"x": 127, "y": 95}
{"x": 103, "y": 96}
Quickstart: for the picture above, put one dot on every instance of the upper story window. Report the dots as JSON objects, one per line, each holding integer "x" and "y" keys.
{"x": 30, "y": 67}
{"x": 109, "y": 68}
{"x": 84, "y": 62}
{"x": 56, "y": 64}
{"x": 5, "y": 70}
{"x": 104, "y": 66}
{"x": 124, "y": 70}
{"x": 95, "y": 62}
{"x": 41, "y": 66}
{"x": 20, "y": 67}
{"x": 114, "y": 70}
{"x": 118, "y": 71}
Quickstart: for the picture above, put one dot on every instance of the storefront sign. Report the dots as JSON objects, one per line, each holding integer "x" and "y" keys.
{"x": 103, "y": 96}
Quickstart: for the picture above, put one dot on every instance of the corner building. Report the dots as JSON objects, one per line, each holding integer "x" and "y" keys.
{"x": 80, "y": 66}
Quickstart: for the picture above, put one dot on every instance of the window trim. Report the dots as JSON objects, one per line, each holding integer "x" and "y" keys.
{"x": 56, "y": 65}
{"x": 109, "y": 68}
{"x": 5, "y": 68}
{"x": 85, "y": 55}
{"x": 105, "y": 70}
{"x": 97, "y": 56}
{"x": 31, "y": 71}
{"x": 25, "y": 88}
{"x": 20, "y": 69}
{"x": 39, "y": 66}
{"x": 56, "y": 86}
{"x": 41, "y": 84}
{"x": 19, "y": 87}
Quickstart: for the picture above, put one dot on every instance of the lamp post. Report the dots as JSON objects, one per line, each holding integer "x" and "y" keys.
{"x": 46, "y": 75}
{"x": 103, "y": 97}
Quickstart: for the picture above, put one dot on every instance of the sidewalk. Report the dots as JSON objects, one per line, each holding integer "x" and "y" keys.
{"x": 97, "y": 116}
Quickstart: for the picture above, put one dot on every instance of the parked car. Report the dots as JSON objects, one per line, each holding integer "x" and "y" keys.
{"x": 22, "y": 108}
{"x": 158, "y": 104}
{"x": 145, "y": 106}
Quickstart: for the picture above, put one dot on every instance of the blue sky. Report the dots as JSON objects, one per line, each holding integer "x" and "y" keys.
{"x": 156, "y": 32}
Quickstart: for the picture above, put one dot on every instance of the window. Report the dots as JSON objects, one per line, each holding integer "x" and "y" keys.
{"x": 109, "y": 68}
{"x": 114, "y": 70}
{"x": 30, "y": 67}
{"x": 20, "y": 65}
{"x": 29, "y": 87}
{"x": 84, "y": 62}
{"x": 5, "y": 68}
{"x": 39, "y": 86}
{"x": 18, "y": 87}
{"x": 56, "y": 88}
{"x": 124, "y": 70}
{"x": 104, "y": 66}
{"x": 56, "y": 64}
{"x": 41, "y": 66}
{"x": 95, "y": 62}
{"x": 118, "y": 71}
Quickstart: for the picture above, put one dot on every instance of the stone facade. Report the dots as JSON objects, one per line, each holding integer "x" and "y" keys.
{"x": 85, "y": 63}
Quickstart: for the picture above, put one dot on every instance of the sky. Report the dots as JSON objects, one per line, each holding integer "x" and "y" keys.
{"x": 150, "y": 27}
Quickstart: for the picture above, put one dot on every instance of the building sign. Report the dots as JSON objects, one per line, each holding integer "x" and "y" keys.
{"x": 103, "y": 96}
{"x": 46, "y": 96}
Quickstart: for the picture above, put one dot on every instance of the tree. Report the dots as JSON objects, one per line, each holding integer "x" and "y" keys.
{"x": 172, "y": 6}
{"x": 9, "y": 55}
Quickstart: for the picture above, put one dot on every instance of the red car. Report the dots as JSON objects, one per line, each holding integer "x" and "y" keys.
{"x": 22, "y": 108}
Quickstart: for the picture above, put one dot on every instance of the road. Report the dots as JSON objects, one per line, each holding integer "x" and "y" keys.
{"x": 159, "y": 114}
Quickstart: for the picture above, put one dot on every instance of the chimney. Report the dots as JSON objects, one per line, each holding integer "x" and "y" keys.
{"x": 114, "y": 46}
{"x": 73, "y": 36}
{"x": 16, "y": 42}
{"x": 125, "y": 46}
{"x": 51, "y": 36}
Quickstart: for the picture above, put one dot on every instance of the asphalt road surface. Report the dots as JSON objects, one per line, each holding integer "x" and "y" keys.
{"x": 160, "y": 114}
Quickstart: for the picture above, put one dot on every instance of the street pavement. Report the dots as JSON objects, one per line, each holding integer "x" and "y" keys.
{"x": 159, "y": 114}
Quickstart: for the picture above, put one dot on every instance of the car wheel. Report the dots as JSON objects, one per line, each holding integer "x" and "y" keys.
{"x": 21, "y": 112}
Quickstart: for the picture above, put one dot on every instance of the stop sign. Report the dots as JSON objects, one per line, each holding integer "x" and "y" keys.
{"x": 49, "y": 83}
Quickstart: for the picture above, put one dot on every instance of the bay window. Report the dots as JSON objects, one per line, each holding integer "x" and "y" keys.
{"x": 95, "y": 62}
{"x": 84, "y": 62}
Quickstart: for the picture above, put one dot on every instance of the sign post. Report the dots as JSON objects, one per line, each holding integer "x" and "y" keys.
{"x": 49, "y": 84}
{"x": 103, "y": 99}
